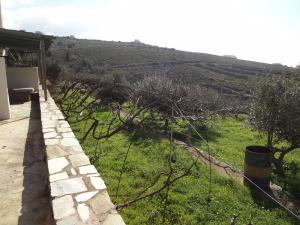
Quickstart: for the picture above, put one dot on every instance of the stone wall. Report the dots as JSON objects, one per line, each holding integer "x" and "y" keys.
{"x": 78, "y": 191}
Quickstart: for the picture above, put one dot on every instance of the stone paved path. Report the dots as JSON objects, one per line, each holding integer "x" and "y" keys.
{"x": 23, "y": 172}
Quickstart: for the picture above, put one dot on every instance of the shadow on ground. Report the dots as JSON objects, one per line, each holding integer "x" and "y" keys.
{"x": 36, "y": 204}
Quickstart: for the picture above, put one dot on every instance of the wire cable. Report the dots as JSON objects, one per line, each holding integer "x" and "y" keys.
{"x": 210, "y": 167}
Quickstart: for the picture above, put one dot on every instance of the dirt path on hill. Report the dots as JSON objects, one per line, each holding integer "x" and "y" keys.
{"x": 221, "y": 167}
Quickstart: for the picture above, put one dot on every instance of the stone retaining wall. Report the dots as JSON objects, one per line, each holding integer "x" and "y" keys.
{"x": 79, "y": 193}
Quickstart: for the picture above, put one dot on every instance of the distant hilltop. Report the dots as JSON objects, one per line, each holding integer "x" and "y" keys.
{"x": 230, "y": 56}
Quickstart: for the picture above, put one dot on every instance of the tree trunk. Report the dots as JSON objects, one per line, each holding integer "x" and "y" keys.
{"x": 166, "y": 126}
{"x": 189, "y": 135}
{"x": 278, "y": 163}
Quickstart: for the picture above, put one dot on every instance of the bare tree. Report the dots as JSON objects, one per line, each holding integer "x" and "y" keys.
{"x": 80, "y": 100}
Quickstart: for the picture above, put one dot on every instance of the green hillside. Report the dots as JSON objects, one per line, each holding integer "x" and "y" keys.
{"x": 134, "y": 60}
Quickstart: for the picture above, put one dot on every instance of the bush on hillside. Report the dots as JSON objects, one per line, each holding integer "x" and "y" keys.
{"x": 53, "y": 71}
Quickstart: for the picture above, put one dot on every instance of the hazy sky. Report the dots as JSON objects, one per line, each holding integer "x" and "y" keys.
{"x": 259, "y": 30}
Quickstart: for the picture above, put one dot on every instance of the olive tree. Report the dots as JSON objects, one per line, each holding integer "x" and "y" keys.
{"x": 275, "y": 111}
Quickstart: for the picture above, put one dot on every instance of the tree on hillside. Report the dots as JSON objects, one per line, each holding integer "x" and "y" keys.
{"x": 53, "y": 71}
{"x": 176, "y": 101}
{"x": 275, "y": 111}
{"x": 164, "y": 92}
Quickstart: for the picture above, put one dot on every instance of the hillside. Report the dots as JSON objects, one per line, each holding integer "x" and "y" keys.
{"x": 134, "y": 60}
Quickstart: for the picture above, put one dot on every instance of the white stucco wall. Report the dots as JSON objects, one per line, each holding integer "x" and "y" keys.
{"x": 23, "y": 77}
{"x": 4, "y": 100}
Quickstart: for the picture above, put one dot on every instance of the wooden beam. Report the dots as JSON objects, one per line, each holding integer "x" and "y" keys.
{"x": 40, "y": 70}
{"x": 23, "y": 40}
{"x": 43, "y": 67}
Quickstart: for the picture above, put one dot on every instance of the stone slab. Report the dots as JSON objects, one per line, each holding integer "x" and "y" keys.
{"x": 70, "y": 220}
{"x": 65, "y": 125}
{"x": 50, "y": 135}
{"x": 79, "y": 160}
{"x": 113, "y": 219}
{"x": 69, "y": 186}
{"x": 58, "y": 176}
{"x": 101, "y": 203}
{"x": 49, "y": 125}
{"x": 54, "y": 151}
{"x": 57, "y": 165}
{"x": 51, "y": 141}
{"x": 69, "y": 141}
{"x": 87, "y": 169}
{"x": 63, "y": 129}
{"x": 63, "y": 207}
{"x": 85, "y": 196}
{"x": 74, "y": 149}
{"x": 68, "y": 135}
{"x": 84, "y": 212}
{"x": 98, "y": 183}
{"x": 46, "y": 130}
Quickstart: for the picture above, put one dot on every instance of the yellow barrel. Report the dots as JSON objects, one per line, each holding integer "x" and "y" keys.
{"x": 257, "y": 166}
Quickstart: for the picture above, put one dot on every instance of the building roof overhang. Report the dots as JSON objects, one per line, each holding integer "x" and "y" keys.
{"x": 30, "y": 42}
{"x": 22, "y": 40}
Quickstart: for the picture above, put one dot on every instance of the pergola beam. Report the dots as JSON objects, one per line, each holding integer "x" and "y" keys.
{"x": 42, "y": 65}
{"x": 23, "y": 39}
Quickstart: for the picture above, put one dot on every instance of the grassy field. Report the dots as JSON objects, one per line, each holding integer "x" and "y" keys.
{"x": 228, "y": 139}
{"x": 188, "y": 200}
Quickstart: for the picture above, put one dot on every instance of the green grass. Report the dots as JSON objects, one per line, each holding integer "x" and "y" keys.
{"x": 228, "y": 139}
{"x": 188, "y": 198}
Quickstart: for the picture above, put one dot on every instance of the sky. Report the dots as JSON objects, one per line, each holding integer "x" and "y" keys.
{"x": 258, "y": 30}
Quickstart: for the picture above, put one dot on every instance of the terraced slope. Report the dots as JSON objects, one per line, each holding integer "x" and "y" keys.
{"x": 136, "y": 60}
